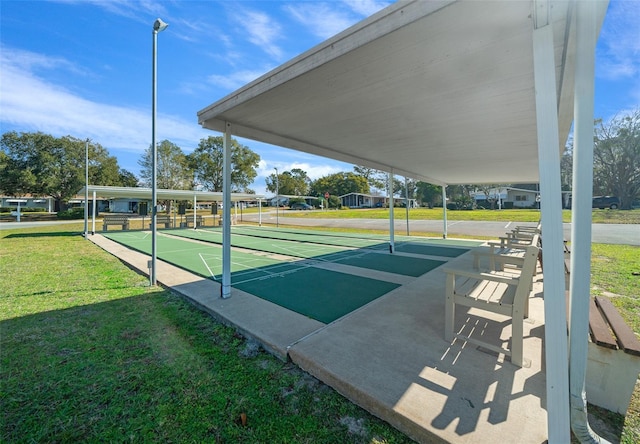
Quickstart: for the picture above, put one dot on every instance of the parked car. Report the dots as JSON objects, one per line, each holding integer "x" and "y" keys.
{"x": 603, "y": 202}
{"x": 300, "y": 206}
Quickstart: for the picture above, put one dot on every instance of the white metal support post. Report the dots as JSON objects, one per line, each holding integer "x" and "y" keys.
{"x": 406, "y": 201}
{"x": 225, "y": 290}
{"x": 195, "y": 202}
{"x": 278, "y": 199}
{"x": 158, "y": 26}
{"x": 558, "y": 424}
{"x": 86, "y": 189}
{"x": 581, "y": 218}
{"x": 444, "y": 211}
{"x": 93, "y": 215}
{"x": 392, "y": 222}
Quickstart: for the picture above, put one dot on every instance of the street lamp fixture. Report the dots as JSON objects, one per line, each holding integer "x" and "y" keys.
{"x": 158, "y": 26}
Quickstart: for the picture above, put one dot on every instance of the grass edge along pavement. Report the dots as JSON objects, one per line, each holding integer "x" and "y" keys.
{"x": 38, "y": 289}
{"x": 100, "y": 356}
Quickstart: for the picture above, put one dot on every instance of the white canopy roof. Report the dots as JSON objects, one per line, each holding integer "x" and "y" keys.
{"x": 106, "y": 192}
{"x": 447, "y": 92}
{"x": 441, "y": 91}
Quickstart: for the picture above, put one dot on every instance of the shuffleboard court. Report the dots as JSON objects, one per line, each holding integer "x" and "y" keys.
{"x": 278, "y": 246}
{"x": 429, "y": 250}
{"x": 203, "y": 260}
{"x": 361, "y": 257}
{"x": 407, "y": 266}
{"x": 317, "y": 237}
{"x": 338, "y": 238}
{"x": 320, "y": 294}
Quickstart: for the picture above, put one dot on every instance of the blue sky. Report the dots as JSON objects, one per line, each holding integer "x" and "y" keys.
{"x": 83, "y": 67}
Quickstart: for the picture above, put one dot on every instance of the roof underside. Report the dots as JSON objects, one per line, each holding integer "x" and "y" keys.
{"x": 439, "y": 91}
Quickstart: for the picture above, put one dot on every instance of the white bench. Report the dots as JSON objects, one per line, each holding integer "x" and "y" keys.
{"x": 495, "y": 291}
{"x": 506, "y": 248}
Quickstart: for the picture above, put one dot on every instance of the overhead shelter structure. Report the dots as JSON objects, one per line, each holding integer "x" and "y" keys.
{"x": 449, "y": 92}
{"x": 108, "y": 192}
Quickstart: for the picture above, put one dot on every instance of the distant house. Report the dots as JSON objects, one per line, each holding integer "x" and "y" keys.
{"x": 507, "y": 197}
{"x": 284, "y": 199}
{"x": 360, "y": 200}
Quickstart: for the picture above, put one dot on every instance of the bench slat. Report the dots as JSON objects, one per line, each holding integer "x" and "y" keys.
{"x": 627, "y": 339}
{"x": 600, "y": 333}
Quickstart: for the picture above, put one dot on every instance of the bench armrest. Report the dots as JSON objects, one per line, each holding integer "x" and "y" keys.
{"x": 486, "y": 276}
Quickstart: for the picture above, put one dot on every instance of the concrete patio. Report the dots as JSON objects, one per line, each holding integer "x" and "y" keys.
{"x": 390, "y": 356}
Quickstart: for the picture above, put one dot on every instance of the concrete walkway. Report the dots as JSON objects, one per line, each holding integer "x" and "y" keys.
{"x": 390, "y": 356}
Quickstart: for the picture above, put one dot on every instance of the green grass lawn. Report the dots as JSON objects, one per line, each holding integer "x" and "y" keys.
{"x": 515, "y": 215}
{"x": 89, "y": 352}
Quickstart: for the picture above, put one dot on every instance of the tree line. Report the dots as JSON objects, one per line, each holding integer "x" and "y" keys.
{"x": 43, "y": 165}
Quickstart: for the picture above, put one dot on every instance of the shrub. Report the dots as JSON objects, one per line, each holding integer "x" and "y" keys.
{"x": 71, "y": 213}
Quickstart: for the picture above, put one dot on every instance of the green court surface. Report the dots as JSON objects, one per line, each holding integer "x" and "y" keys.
{"x": 376, "y": 241}
{"x": 429, "y": 250}
{"x": 315, "y": 237}
{"x": 319, "y": 294}
{"x": 407, "y": 266}
{"x": 204, "y": 260}
{"x": 360, "y": 257}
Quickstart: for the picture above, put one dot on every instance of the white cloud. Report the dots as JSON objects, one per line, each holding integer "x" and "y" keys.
{"x": 328, "y": 19}
{"x": 262, "y": 30}
{"x": 322, "y": 19}
{"x": 30, "y": 103}
{"x": 236, "y": 79}
{"x": 314, "y": 169}
{"x": 138, "y": 10}
{"x": 619, "y": 49}
{"x": 323, "y": 167}
{"x": 366, "y": 7}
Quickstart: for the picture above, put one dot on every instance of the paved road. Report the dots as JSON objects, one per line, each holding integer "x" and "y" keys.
{"x": 626, "y": 234}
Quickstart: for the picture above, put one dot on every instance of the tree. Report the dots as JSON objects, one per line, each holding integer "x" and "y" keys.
{"x": 408, "y": 189}
{"x": 293, "y": 183}
{"x": 375, "y": 178}
{"x": 339, "y": 184}
{"x": 172, "y": 169}
{"x": 206, "y": 162}
{"x": 428, "y": 193}
{"x": 460, "y": 197}
{"x": 491, "y": 192}
{"x": 616, "y": 158}
{"x": 40, "y": 164}
{"x": 127, "y": 178}
{"x": 16, "y": 178}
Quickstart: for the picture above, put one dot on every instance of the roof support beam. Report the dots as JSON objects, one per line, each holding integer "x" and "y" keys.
{"x": 225, "y": 290}
{"x": 586, "y": 31}
{"x": 558, "y": 424}
{"x": 392, "y": 222}
{"x": 444, "y": 211}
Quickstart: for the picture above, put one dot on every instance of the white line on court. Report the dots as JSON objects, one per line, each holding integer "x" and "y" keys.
{"x": 208, "y": 269}
{"x": 507, "y": 226}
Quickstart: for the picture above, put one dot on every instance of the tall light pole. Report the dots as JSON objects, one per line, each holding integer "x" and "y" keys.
{"x": 86, "y": 189}
{"x": 158, "y": 26}
{"x": 277, "y": 199}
